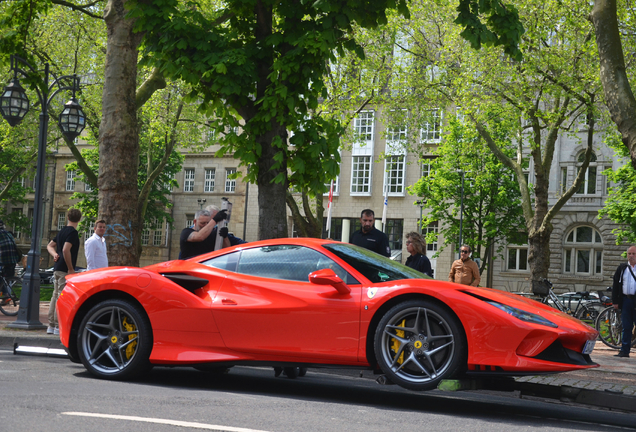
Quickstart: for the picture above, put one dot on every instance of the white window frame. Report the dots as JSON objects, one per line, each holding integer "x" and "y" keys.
{"x": 425, "y": 167}
{"x": 210, "y": 175}
{"x": 587, "y": 183}
{"x": 364, "y": 133}
{"x": 230, "y": 184}
{"x": 188, "y": 180}
{"x": 88, "y": 187}
{"x": 61, "y": 220}
{"x": 70, "y": 181}
{"x": 336, "y": 187}
{"x": 189, "y": 221}
{"x": 145, "y": 236}
{"x": 157, "y": 235}
{"x": 518, "y": 252}
{"x": 364, "y": 187}
{"x": 571, "y": 249}
{"x": 89, "y": 233}
{"x": 431, "y": 227}
{"x": 394, "y": 175}
{"x": 433, "y": 128}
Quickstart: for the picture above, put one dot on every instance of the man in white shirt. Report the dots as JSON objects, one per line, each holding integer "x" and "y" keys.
{"x": 95, "y": 247}
{"x": 624, "y": 298}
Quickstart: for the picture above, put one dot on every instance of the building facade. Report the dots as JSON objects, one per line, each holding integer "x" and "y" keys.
{"x": 583, "y": 251}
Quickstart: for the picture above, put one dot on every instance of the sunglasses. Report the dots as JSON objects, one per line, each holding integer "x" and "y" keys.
{"x": 464, "y": 251}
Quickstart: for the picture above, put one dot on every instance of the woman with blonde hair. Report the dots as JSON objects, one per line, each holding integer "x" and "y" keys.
{"x": 416, "y": 246}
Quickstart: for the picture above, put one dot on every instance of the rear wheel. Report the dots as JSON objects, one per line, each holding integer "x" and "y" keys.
{"x": 418, "y": 343}
{"x": 10, "y": 301}
{"x": 589, "y": 312}
{"x": 291, "y": 372}
{"x": 115, "y": 340}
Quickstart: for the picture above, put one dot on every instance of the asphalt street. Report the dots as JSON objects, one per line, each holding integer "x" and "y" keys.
{"x": 615, "y": 376}
{"x": 53, "y": 394}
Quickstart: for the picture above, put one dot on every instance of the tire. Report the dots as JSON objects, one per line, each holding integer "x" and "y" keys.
{"x": 418, "y": 343}
{"x": 302, "y": 371}
{"x": 12, "y": 307}
{"x": 610, "y": 328}
{"x": 589, "y": 312}
{"x": 291, "y": 372}
{"x": 115, "y": 340}
{"x": 213, "y": 370}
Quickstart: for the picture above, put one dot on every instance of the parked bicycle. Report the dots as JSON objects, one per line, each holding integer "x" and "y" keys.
{"x": 587, "y": 307}
{"x": 10, "y": 298}
{"x": 610, "y": 327}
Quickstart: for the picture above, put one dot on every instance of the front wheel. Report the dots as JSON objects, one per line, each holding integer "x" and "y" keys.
{"x": 418, "y": 343}
{"x": 115, "y": 340}
{"x": 10, "y": 300}
{"x": 610, "y": 328}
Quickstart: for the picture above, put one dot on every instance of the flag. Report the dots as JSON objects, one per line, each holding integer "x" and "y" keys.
{"x": 386, "y": 205}
{"x": 329, "y": 206}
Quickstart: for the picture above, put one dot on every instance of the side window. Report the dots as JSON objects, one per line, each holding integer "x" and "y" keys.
{"x": 287, "y": 262}
{"x": 224, "y": 262}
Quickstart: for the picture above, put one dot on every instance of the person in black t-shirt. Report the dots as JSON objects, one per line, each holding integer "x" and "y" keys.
{"x": 63, "y": 248}
{"x": 197, "y": 240}
{"x": 369, "y": 237}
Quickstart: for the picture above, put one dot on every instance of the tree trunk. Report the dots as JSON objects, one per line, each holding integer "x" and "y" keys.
{"x": 119, "y": 139}
{"x": 272, "y": 223}
{"x": 539, "y": 254}
{"x": 307, "y": 225}
{"x": 618, "y": 93}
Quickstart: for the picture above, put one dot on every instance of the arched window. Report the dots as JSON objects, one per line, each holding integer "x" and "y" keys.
{"x": 588, "y": 186}
{"x": 583, "y": 251}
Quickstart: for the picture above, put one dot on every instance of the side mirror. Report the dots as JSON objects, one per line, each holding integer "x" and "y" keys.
{"x": 329, "y": 277}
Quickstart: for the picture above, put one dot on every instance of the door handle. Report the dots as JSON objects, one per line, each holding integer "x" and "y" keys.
{"x": 229, "y": 302}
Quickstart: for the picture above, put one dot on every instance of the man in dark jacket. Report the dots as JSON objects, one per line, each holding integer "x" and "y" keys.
{"x": 369, "y": 237}
{"x": 624, "y": 298}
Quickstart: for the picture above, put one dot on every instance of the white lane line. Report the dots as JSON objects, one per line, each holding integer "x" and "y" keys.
{"x": 164, "y": 421}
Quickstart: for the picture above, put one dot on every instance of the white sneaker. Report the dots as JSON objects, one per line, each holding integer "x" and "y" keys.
{"x": 56, "y": 331}
{"x": 50, "y": 330}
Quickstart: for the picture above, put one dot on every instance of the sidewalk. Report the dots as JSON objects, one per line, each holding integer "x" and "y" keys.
{"x": 615, "y": 375}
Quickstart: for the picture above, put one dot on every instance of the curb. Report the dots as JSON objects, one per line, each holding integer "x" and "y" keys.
{"x": 9, "y": 342}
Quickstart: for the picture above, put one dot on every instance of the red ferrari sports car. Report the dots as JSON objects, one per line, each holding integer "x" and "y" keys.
{"x": 294, "y": 303}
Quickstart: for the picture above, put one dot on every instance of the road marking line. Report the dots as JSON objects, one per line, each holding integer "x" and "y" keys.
{"x": 164, "y": 421}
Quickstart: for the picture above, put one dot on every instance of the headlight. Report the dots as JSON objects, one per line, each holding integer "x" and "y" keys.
{"x": 523, "y": 315}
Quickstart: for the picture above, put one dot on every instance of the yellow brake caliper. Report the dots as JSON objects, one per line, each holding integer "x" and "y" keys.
{"x": 130, "y": 349}
{"x": 396, "y": 344}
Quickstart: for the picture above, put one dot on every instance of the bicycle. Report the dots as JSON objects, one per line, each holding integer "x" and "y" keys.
{"x": 587, "y": 309}
{"x": 10, "y": 295}
{"x": 610, "y": 328}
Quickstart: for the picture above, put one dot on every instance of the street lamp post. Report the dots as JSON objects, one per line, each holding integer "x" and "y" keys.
{"x": 14, "y": 105}
{"x": 201, "y": 201}
{"x": 421, "y": 204}
{"x": 461, "y": 213}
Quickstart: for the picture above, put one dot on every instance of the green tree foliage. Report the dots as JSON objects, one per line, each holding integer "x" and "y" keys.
{"x": 492, "y": 202}
{"x": 430, "y": 66}
{"x": 502, "y": 26}
{"x": 620, "y": 205}
{"x": 158, "y": 203}
{"x": 17, "y": 156}
{"x": 614, "y": 25}
{"x": 260, "y": 65}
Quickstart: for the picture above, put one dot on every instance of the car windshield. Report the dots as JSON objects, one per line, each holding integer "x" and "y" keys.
{"x": 374, "y": 267}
